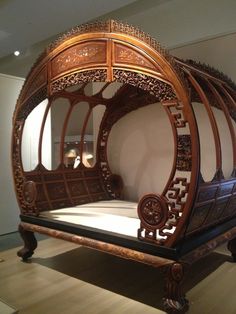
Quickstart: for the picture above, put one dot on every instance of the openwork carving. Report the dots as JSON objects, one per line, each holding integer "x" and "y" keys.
{"x": 77, "y": 56}
{"x": 153, "y": 214}
{"x": 175, "y": 109}
{"x": 161, "y": 90}
{"x": 177, "y": 192}
{"x": 98, "y": 75}
{"x": 175, "y": 196}
{"x": 184, "y": 156}
{"x": 177, "y": 189}
{"x": 97, "y": 26}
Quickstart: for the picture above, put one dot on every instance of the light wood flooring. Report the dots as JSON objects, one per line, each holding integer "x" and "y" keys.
{"x": 65, "y": 278}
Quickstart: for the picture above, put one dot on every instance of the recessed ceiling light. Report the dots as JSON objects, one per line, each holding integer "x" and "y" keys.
{"x": 16, "y": 53}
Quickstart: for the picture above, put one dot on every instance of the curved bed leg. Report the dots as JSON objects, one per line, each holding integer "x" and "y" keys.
{"x": 30, "y": 243}
{"x": 174, "y": 300}
{"x": 232, "y": 248}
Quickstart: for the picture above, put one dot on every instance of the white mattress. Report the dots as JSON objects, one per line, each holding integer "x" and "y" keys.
{"x": 113, "y": 216}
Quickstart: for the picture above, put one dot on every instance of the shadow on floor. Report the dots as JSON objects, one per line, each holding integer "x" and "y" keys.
{"x": 131, "y": 279}
{"x": 13, "y": 240}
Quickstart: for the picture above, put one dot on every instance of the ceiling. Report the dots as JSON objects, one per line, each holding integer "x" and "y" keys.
{"x": 30, "y": 25}
{"x": 26, "y": 22}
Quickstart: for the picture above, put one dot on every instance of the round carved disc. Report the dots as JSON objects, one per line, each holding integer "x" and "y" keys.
{"x": 153, "y": 211}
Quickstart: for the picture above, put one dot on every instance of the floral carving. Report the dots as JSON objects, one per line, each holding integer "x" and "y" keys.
{"x": 126, "y": 55}
{"x": 152, "y": 212}
{"x": 133, "y": 31}
{"x": 78, "y": 56}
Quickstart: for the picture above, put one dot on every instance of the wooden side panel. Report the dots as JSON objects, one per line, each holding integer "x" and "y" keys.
{"x": 84, "y": 186}
{"x": 215, "y": 203}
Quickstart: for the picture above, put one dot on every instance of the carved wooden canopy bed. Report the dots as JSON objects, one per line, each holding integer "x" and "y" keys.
{"x": 169, "y": 228}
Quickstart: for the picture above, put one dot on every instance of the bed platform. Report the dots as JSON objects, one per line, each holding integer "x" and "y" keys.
{"x": 78, "y": 196}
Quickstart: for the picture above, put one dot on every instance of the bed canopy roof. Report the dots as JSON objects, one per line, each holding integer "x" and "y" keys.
{"x": 110, "y": 51}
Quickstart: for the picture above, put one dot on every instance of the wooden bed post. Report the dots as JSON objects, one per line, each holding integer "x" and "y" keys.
{"x": 174, "y": 300}
{"x": 232, "y": 248}
{"x": 30, "y": 243}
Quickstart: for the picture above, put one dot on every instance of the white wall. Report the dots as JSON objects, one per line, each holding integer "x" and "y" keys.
{"x": 173, "y": 23}
{"x": 9, "y": 90}
{"x": 176, "y": 23}
{"x": 141, "y": 150}
{"x": 30, "y": 138}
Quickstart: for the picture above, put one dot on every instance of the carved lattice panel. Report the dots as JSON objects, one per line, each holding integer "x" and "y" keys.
{"x": 98, "y": 75}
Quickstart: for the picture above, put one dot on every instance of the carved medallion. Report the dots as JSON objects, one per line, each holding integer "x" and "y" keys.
{"x": 29, "y": 192}
{"x": 152, "y": 211}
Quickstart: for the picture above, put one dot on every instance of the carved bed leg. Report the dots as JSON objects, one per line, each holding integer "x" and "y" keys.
{"x": 232, "y": 248}
{"x": 30, "y": 243}
{"x": 174, "y": 300}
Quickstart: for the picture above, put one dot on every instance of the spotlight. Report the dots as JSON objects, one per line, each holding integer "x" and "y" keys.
{"x": 16, "y": 53}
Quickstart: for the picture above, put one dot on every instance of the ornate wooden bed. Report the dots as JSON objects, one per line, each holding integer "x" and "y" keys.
{"x": 169, "y": 229}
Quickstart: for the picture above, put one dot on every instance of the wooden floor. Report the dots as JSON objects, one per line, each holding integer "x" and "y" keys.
{"x": 64, "y": 278}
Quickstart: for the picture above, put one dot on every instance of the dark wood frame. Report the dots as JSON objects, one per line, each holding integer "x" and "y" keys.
{"x": 202, "y": 214}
